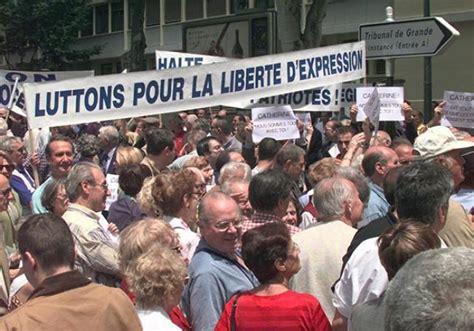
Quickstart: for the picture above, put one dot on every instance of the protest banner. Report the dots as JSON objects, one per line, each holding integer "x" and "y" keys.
{"x": 7, "y": 82}
{"x": 319, "y": 99}
{"x": 459, "y": 109}
{"x": 148, "y": 93}
{"x": 172, "y": 60}
{"x": 274, "y": 122}
{"x": 391, "y": 100}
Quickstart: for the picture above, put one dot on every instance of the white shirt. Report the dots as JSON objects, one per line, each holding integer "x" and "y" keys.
{"x": 188, "y": 239}
{"x": 363, "y": 278}
{"x": 156, "y": 320}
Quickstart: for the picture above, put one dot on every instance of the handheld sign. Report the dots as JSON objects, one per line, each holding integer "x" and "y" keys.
{"x": 391, "y": 100}
{"x": 459, "y": 109}
{"x": 372, "y": 108}
{"x": 274, "y": 122}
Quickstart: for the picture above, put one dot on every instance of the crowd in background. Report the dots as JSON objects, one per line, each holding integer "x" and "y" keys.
{"x": 211, "y": 231}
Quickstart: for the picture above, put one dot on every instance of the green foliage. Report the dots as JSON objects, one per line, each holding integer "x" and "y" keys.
{"x": 39, "y": 33}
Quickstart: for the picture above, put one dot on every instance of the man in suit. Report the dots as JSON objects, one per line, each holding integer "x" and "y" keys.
{"x": 109, "y": 141}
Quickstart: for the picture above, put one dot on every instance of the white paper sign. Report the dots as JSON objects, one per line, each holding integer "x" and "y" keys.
{"x": 112, "y": 183}
{"x": 391, "y": 100}
{"x": 459, "y": 109}
{"x": 372, "y": 109}
{"x": 274, "y": 122}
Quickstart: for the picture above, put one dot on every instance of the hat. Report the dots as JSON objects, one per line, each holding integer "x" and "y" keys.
{"x": 438, "y": 140}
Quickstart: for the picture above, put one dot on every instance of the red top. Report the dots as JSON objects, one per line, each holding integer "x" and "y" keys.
{"x": 286, "y": 311}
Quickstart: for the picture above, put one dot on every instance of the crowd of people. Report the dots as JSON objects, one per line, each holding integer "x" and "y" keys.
{"x": 349, "y": 227}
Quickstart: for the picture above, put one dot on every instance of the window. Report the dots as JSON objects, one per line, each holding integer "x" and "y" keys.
{"x": 102, "y": 19}
{"x": 152, "y": 12}
{"x": 117, "y": 15}
{"x": 216, "y": 7}
{"x": 194, "y": 9}
{"x": 88, "y": 25}
{"x": 172, "y": 11}
{"x": 380, "y": 67}
{"x": 106, "y": 69}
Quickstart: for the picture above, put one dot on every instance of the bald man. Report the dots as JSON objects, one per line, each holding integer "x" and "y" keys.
{"x": 377, "y": 162}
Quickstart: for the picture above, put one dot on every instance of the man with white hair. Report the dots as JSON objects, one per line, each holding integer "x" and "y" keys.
{"x": 323, "y": 245}
{"x": 432, "y": 291}
{"x": 108, "y": 140}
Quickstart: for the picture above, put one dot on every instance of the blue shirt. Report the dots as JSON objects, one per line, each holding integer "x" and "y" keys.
{"x": 377, "y": 207}
{"x": 213, "y": 279}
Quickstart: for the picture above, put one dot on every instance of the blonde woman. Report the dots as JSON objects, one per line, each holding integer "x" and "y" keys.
{"x": 157, "y": 279}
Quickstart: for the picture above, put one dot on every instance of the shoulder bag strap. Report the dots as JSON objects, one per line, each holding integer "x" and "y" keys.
{"x": 233, "y": 325}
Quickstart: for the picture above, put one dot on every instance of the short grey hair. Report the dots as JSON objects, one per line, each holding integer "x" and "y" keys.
{"x": 110, "y": 133}
{"x": 228, "y": 186}
{"x": 233, "y": 170}
{"x": 81, "y": 172}
{"x": 329, "y": 197}
{"x": 433, "y": 291}
{"x": 360, "y": 181}
{"x": 50, "y": 193}
{"x": 6, "y": 143}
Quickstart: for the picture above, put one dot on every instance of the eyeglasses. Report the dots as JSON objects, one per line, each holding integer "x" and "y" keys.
{"x": 225, "y": 225}
{"x": 103, "y": 185}
{"x": 8, "y": 167}
{"x": 6, "y": 192}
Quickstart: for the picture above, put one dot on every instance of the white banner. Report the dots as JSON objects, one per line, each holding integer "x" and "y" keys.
{"x": 391, "y": 100}
{"x": 319, "y": 99}
{"x": 147, "y": 93}
{"x": 459, "y": 109}
{"x": 274, "y": 122}
{"x": 172, "y": 60}
{"x": 7, "y": 81}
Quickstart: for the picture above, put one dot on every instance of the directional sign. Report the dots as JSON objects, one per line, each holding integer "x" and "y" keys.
{"x": 419, "y": 37}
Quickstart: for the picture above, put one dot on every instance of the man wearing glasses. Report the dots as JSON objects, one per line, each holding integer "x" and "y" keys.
{"x": 216, "y": 271}
{"x": 97, "y": 252}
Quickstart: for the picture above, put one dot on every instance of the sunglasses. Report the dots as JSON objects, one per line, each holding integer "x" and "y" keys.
{"x": 8, "y": 167}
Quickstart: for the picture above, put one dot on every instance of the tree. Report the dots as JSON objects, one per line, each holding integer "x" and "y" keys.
{"x": 289, "y": 19}
{"x": 38, "y": 34}
{"x": 136, "y": 55}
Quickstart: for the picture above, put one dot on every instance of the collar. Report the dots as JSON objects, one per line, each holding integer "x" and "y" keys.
{"x": 60, "y": 283}
{"x": 84, "y": 210}
{"x": 263, "y": 217}
{"x": 111, "y": 153}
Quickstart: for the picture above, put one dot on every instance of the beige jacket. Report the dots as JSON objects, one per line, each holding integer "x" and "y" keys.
{"x": 70, "y": 302}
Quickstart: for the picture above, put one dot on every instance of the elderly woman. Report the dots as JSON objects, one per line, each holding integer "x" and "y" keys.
{"x": 54, "y": 197}
{"x": 202, "y": 164}
{"x": 157, "y": 279}
{"x": 138, "y": 239}
{"x": 177, "y": 196}
{"x": 88, "y": 148}
{"x": 272, "y": 256}
{"x": 10, "y": 219}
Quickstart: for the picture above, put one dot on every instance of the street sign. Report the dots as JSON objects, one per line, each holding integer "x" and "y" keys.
{"x": 418, "y": 37}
